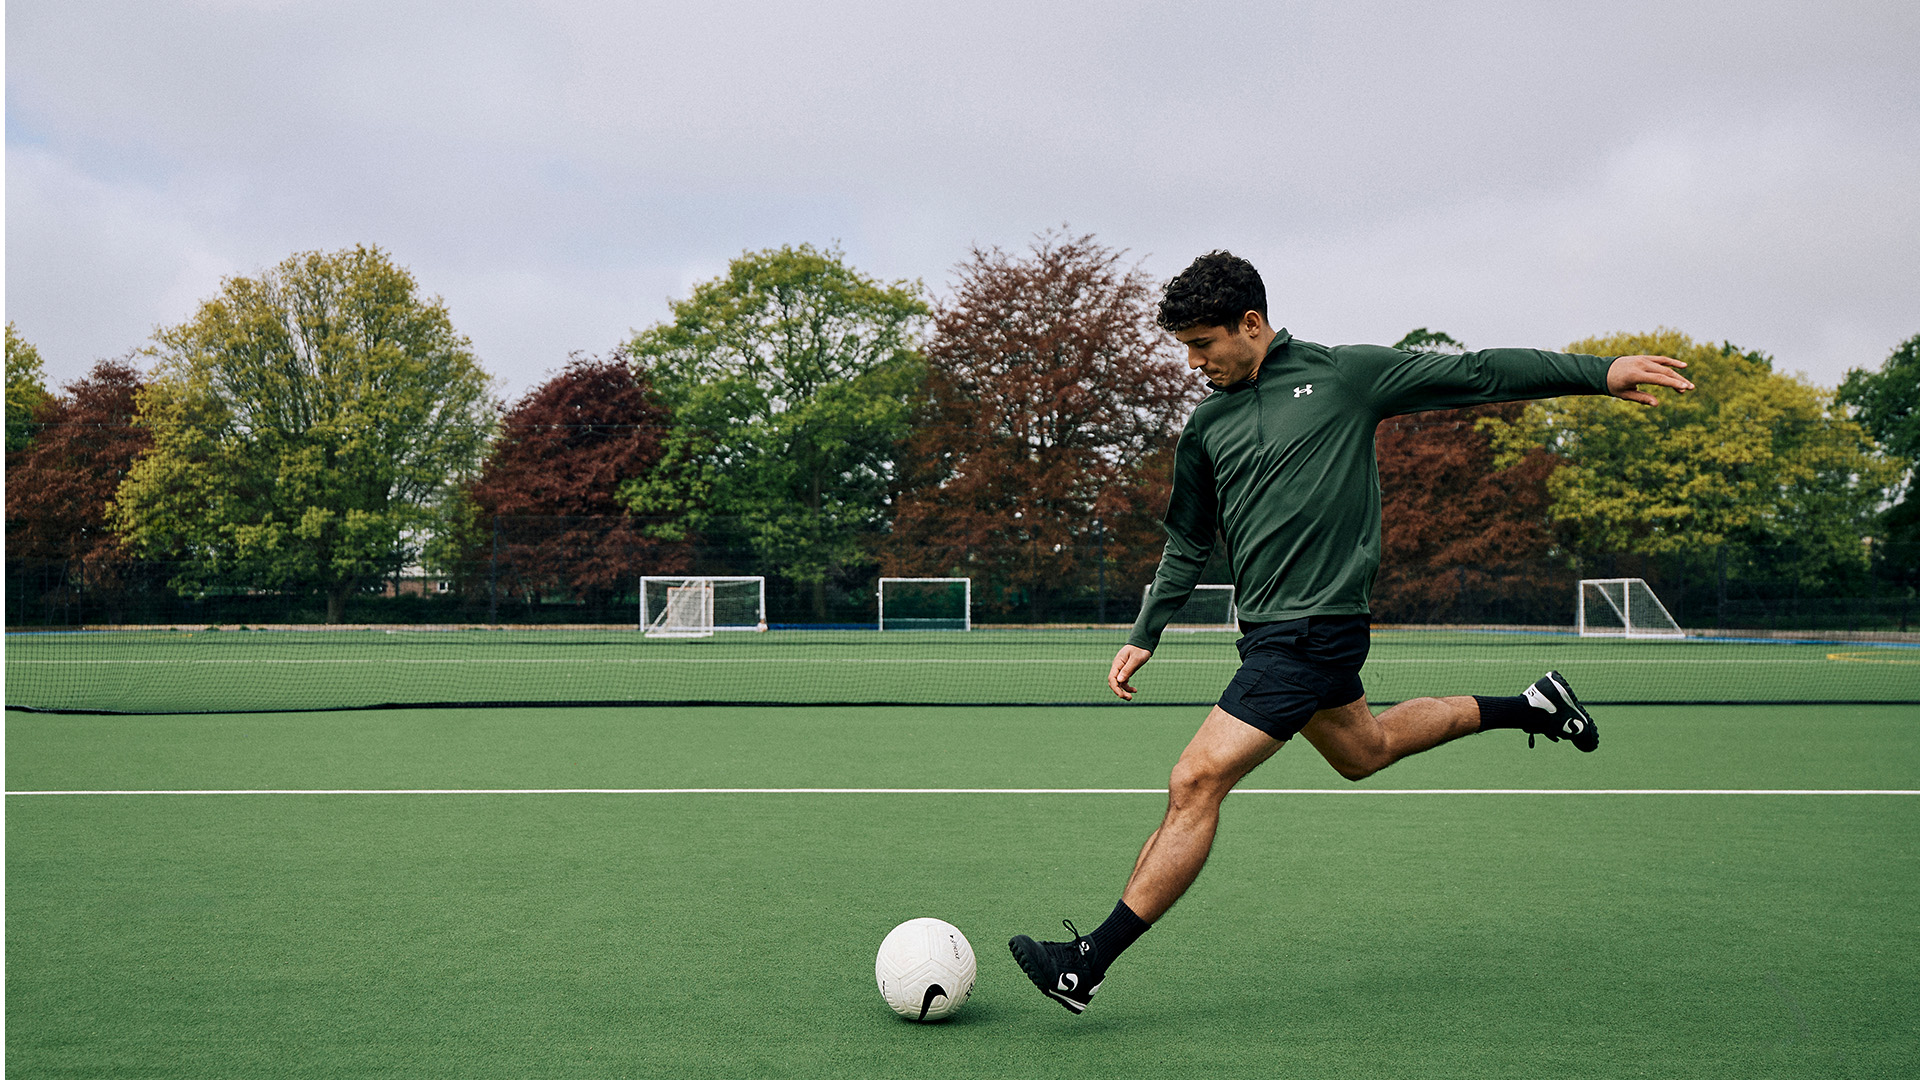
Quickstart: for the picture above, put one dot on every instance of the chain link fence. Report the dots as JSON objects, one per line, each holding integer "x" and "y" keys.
{"x": 525, "y": 571}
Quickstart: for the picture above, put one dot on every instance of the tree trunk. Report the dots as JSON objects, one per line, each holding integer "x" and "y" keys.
{"x": 337, "y": 601}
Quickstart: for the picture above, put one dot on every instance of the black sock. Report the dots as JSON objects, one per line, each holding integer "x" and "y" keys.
{"x": 1505, "y": 712}
{"x": 1112, "y": 937}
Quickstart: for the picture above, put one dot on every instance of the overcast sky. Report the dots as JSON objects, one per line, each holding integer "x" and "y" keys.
{"x": 1522, "y": 173}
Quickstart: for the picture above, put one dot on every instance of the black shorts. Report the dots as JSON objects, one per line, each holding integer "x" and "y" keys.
{"x": 1291, "y": 670}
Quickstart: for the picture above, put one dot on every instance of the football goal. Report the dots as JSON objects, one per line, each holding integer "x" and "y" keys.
{"x": 1208, "y": 607}
{"x": 1622, "y": 607}
{"x": 698, "y": 606}
{"x": 926, "y": 603}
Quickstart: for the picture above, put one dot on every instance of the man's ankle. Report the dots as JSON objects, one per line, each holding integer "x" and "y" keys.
{"x": 1505, "y": 712}
{"x": 1112, "y": 937}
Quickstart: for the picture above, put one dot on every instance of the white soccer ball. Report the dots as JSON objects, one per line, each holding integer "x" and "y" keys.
{"x": 925, "y": 969}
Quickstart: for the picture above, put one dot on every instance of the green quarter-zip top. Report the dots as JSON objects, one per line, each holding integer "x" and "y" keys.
{"x": 1280, "y": 468}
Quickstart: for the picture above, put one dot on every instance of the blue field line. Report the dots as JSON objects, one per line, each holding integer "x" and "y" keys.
{"x": 1806, "y": 641}
{"x": 1707, "y": 639}
{"x": 871, "y": 627}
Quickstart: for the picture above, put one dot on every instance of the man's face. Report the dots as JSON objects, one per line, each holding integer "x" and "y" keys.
{"x": 1224, "y": 354}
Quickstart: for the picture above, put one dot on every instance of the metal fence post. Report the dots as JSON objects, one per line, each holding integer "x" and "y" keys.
{"x": 493, "y": 575}
{"x": 1100, "y": 557}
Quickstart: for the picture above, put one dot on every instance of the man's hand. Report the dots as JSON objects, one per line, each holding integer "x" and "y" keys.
{"x": 1629, "y": 373}
{"x": 1125, "y": 663}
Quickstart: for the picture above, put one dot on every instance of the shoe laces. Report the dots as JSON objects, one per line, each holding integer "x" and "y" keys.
{"x": 1080, "y": 942}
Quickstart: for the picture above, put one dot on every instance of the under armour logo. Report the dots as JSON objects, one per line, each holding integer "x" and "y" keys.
{"x": 1302, "y": 390}
{"x": 1069, "y": 982}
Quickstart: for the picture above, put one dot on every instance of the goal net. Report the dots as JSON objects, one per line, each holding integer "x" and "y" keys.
{"x": 1622, "y": 607}
{"x": 926, "y": 603}
{"x": 698, "y": 606}
{"x": 1208, "y": 607}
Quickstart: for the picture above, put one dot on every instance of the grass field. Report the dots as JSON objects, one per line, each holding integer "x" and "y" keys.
{"x": 732, "y": 934}
{"x": 260, "y": 671}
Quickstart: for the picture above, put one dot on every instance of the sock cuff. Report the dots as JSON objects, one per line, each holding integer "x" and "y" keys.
{"x": 1121, "y": 929}
{"x": 1134, "y": 923}
{"x": 1503, "y": 712}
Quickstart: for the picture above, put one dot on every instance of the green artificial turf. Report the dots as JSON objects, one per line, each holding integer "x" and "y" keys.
{"x": 733, "y": 935}
{"x": 156, "y": 672}
{"x": 1732, "y": 746}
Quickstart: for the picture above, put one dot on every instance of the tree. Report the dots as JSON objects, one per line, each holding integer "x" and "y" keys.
{"x": 58, "y": 489}
{"x": 1043, "y": 447}
{"x": 1887, "y": 403}
{"x": 1753, "y": 457}
{"x": 789, "y": 381}
{"x": 306, "y": 423}
{"x": 548, "y": 492}
{"x": 1461, "y": 530}
{"x": 1425, "y": 340}
{"x": 26, "y": 389}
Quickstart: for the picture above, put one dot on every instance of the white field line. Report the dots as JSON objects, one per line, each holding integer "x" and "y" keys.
{"x": 975, "y": 791}
{"x": 756, "y": 661}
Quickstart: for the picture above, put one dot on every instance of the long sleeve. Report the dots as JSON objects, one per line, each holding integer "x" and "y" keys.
{"x": 1192, "y": 516}
{"x": 1279, "y": 470}
{"x": 1403, "y": 382}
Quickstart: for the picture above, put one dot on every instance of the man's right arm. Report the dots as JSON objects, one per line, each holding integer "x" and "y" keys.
{"x": 1192, "y": 514}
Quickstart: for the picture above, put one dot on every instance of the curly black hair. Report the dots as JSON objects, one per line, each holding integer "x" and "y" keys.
{"x": 1217, "y": 290}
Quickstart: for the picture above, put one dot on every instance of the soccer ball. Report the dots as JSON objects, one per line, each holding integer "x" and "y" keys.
{"x": 925, "y": 969}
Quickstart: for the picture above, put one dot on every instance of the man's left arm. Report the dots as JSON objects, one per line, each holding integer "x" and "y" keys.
{"x": 1402, "y": 382}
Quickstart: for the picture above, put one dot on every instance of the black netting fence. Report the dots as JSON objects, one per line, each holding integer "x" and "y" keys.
{"x": 548, "y": 610}
{"x": 532, "y": 571}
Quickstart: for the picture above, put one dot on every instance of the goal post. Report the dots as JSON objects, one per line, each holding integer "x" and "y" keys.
{"x": 689, "y": 606}
{"x": 1622, "y": 607}
{"x": 1208, "y": 607}
{"x": 926, "y": 603}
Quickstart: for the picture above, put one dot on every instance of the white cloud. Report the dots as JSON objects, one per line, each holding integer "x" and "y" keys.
{"x": 1779, "y": 236}
{"x": 1507, "y": 169}
{"x": 94, "y": 265}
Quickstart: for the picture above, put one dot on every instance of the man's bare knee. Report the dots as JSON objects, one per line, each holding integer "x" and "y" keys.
{"x": 1194, "y": 785}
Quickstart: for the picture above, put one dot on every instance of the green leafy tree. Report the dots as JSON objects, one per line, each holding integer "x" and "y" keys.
{"x": 1425, "y": 340}
{"x": 1753, "y": 457}
{"x": 305, "y": 425}
{"x": 1887, "y": 403}
{"x": 790, "y": 380}
{"x": 26, "y": 389}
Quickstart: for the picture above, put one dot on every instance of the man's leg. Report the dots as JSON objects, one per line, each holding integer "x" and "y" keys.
{"x": 1358, "y": 744}
{"x": 1222, "y": 752}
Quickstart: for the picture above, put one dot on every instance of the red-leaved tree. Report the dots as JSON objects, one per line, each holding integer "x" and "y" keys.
{"x": 1052, "y": 402}
{"x": 546, "y": 516}
{"x": 58, "y": 545}
{"x": 1461, "y": 539}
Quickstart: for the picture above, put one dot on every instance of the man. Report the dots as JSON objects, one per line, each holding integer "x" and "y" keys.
{"x": 1278, "y": 463}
